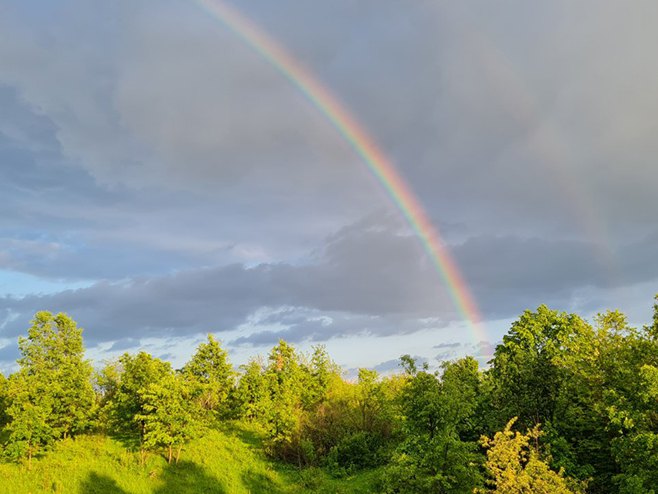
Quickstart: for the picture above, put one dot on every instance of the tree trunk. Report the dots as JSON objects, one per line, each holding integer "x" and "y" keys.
{"x": 171, "y": 453}
{"x": 178, "y": 453}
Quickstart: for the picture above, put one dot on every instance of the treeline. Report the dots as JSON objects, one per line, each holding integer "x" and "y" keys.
{"x": 564, "y": 406}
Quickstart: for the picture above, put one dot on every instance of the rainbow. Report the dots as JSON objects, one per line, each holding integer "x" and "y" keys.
{"x": 355, "y": 134}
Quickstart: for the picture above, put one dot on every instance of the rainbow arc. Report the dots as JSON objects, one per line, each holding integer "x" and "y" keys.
{"x": 356, "y": 135}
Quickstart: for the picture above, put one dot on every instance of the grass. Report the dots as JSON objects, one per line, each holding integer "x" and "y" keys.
{"x": 230, "y": 460}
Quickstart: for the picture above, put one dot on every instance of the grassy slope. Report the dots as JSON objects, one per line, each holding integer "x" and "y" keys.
{"x": 229, "y": 461}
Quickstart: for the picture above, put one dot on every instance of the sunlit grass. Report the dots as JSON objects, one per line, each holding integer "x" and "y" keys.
{"x": 229, "y": 460}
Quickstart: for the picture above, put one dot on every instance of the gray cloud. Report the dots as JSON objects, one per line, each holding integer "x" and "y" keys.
{"x": 387, "y": 367}
{"x": 300, "y": 331}
{"x": 448, "y": 345}
{"x": 481, "y": 351}
{"x": 446, "y": 356}
{"x": 509, "y": 274}
{"x": 475, "y": 122}
{"x": 368, "y": 279}
{"x": 124, "y": 344}
{"x": 393, "y": 365}
{"x": 353, "y": 274}
{"x": 205, "y": 113}
{"x": 192, "y": 186}
{"x": 484, "y": 112}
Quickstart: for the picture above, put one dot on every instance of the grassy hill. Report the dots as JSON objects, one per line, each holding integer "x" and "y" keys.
{"x": 228, "y": 461}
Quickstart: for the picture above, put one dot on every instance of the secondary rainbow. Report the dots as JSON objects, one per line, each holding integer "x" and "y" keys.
{"x": 354, "y": 133}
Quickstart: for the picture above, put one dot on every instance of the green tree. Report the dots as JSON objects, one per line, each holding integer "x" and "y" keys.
{"x": 210, "y": 376}
{"x": 594, "y": 369}
{"x": 321, "y": 372}
{"x": 288, "y": 397}
{"x": 53, "y": 357}
{"x": 51, "y": 396}
{"x": 284, "y": 380}
{"x": 599, "y": 419}
{"x": 370, "y": 401}
{"x": 251, "y": 393}
{"x": 636, "y": 449}
{"x": 30, "y": 427}
{"x": 123, "y": 383}
{"x": 167, "y": 415}
{"x": 526, "y": 376}
{"x": 438, "y": 453}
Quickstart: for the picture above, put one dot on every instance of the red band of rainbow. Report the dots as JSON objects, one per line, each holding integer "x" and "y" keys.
{"x": 380, "y": 166}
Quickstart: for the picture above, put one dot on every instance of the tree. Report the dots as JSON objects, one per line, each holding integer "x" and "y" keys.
{"x": 461, "y": 393}
{"x": 251, "y": 391}
{"x": 30, "y": 426}
{"x": 123, "y": 383}
{"x": 608, "y": 417}
{"x": 51, "y": 396}
{"x": 288, "y": 398}
{"x": 370, "y": 400}
{"x": 167, "y": 415}
{"x": 420, "y": 402}
{"x": 527, "y": 377}
{"x": 636, "y": 450}
{"x": 514, "y": 465}
{"x": 599, "y": 368}
{"x": 321, "y": 372}
{"x": 209, "y": 375}
{"x": 438, "y": 453}
{"x": 284, "y": 380}
{"x": 53, "y": 359}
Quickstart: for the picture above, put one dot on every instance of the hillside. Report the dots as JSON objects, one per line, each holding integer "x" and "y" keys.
{"x": 223, "y": 461}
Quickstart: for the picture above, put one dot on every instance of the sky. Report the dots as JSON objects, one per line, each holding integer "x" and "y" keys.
{"x": 160, "y": 180}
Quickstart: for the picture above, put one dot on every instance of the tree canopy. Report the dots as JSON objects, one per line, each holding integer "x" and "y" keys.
{"x": 565, "y": 406}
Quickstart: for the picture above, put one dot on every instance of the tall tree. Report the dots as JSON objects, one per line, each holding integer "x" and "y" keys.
{"x": 167, "y": 415}
{"x": 527, "y": 379}
{"x": 251, "y": 392}
{"x": 321, "y": 372}
{"x": 210, "y": 376}
{"x": 284, "y": 378}
{"x": 123, "y": 383}
{"x": 52, "y": 361}
{"x": 438, "y": 453}
{"x": 632, "y": 409}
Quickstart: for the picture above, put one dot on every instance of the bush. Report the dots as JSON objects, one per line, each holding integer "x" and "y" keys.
{"x": 354, "y": 452}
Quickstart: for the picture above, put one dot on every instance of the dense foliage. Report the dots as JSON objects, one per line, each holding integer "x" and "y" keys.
{"x": 564, "y": 406}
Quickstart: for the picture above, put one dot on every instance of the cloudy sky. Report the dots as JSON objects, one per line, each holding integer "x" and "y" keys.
{"x": 160, "y": 180}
